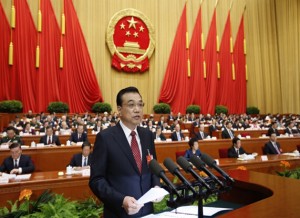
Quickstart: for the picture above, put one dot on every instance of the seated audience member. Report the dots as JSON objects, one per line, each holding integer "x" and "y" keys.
{"x": 150, "y": 125}
{"x": 246, "y": 124}
{"x": 43, "y": 129}
{"x": 98, "y": 126}
{"x": 112, "y": 123}
{"x": 161, "y": 121}
{"x": 194, "y": 149}
{"x": 273, "y": 129}
{"x": 17, "y": 163}
{"x": 34, "y": 123}
{"x": 177, "y": 134}
{"x": 237, "y": 125}
{"x": 11, "y": 137}
{"x": 272, "y": 146}
{"x": 213, "y": 127}
{"x": 236, "y": 148}
{"x": 201, "y": 134}
{"x": 29, "y": 115}
{"x": 83, "y": 159}
{"x": 255, "y": 124}
{"x": 165, "y": 127}
{"x": 50, "y": 138}
{"x": 65, "y": 129}
{"x": 27, "y": 129}
{"x": 79, "y": 135}
{"x": 171, "y": 116}
{"x": 18, "y": 122}
{"x": 227, "y": 133}
{"x": 196, "y": 123}
{"x": 289, "y": 129}
{"x": 158, "y": 135}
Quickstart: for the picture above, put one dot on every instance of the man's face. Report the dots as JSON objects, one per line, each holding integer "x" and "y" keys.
{"x": 80, "y": 129}
{"x": 238, "y": 144}
{"x": 201, "y": 128}
{"x": 273, "y": 137}
{"x": 15, "y": 152}
{"x": 131, "y": 111}
{"x": 86, "y": 151}
{"x": 49, "y": 132}
{"x": 177, "y": 128}
{"x": 10, "y": 134}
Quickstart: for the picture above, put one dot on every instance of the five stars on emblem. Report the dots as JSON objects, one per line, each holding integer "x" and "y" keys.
{"x": 132, "y": 23}
{"x": 142, "y": 29}
{"x": 122, "y": 26}
{"x": 128, "y": 33}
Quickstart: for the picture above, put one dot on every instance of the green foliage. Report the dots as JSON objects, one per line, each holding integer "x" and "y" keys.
{"x": 221, "y": 109}
{"x": 101, "y": 107}
{"x": 58, "y": 107}
{"x": 295, "y": 174}
{"x": 193, "y": 109}
{"x": 252, "y": 110}
{"x": 11, "y": 106}
{"x": 89, "y": 208}
{"x": 162, "y": 108}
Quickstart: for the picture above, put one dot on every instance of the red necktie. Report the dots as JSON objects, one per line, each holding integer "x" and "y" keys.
{"x": 49, "y": 140}
{"x": 136, "y": 151}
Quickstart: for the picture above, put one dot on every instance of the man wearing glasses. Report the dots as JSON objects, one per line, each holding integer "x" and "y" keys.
{"x": 119, "y": 170}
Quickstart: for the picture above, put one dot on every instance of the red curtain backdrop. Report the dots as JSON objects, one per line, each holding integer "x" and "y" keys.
{"x": 78, "y": 84}
{"x": 197, "y": 87}
{"x": 4, "y": 45}
{"x": 175, "y": 87}
{"x": 240, "y": 63}
{"x": 226, "y": 93}
{"x": 211, "y": 66}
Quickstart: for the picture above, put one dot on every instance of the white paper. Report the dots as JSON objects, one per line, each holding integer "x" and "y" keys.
{"x": 9, "y": 176}
{"x": 193, "y": 210}
{"x": 152, "y": 194}
{"x": 23, "y": 177}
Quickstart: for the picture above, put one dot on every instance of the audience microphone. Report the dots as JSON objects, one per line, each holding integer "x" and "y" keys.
{"x": 157, "y": 170}
{"x": 187, "y": 167}
{"x": 200, "y": 165}
{"x": 174, "y": 169}
{"x": 212, "y": 163}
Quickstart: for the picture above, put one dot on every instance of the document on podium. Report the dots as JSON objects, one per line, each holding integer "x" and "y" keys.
{"x": 152, "y": 194}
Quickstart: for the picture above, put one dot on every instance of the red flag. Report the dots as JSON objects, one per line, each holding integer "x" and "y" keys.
{"x": 175, "y": 87}
{"x": 240, "y": 69}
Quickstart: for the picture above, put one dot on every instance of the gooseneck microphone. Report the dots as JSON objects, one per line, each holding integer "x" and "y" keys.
{"x": 212, "y": 163}
{"x": 200, "y": 165}
{"x": 187, "y": 167}
{"x": 157, "y": 170}
{"x": 174, "y": 169}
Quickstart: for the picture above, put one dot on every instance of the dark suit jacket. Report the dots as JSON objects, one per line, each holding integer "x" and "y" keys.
{"x": 114, "y": 173}
{"x": 74, "y": 137}
{"x": 212, "y": 128}
{"x": 96, "y": 128}
{"x": 271, "y": 130}
{"x": 55, "y": 140}
{"x": 225, "y": 134}
{"x": 199, "y": 137}
{"x": 232, "y": 152}
{"x": 162, "y": 136}
{"x": 25, "y": 163}
{"x": 76, "y": 160}
{"x": 174, "y": 136}
{"x": 269, "y": 148}
{"x": 289, "y": 131}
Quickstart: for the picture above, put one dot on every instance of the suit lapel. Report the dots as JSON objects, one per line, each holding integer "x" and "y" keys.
{"x": 144, "y": 146}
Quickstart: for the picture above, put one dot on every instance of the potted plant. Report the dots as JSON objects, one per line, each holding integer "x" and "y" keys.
{"x": 58, "y": 107}
{"x": 221, "y": 109}
{"x": 193, "y": 109}
{"x": 11, "y": 106}
{"x": 101, "y": 107}
{"x": 162, "y": 108}
{"x": 252, "y": 110}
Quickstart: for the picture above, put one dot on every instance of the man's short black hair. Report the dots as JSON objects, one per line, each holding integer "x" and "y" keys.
{"x": 86, "y": 143}
{"x": 11, "y": 128}
{"x": 235, "y": 140}
{"x": 14, "y": 145}
{"x": 192, "y": 141}
{"x": 130, "y": 89}
{"x": 49, "y": 127}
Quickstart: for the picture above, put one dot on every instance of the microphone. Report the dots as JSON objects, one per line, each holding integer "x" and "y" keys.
{"x": 187, "y": 167}
{"x": 157, "y": 170}
{"x": 212, "y": 163}
{"x": 174, "y": 169}
{"x": 200, "y": 165}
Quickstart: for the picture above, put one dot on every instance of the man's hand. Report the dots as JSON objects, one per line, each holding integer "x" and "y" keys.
{"x": 130, "y": 205}
{"x": 14, "y": 171}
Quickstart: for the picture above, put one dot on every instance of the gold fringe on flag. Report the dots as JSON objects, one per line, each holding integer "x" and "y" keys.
{"x": 11, "y": 54}
{"x": 245, "y": 50}
{"x": 246, "y": 72}
{"x": 219, "y": 71}
{"x": 37, "y": 56}
{"x": 13, "y": 17}
{"x": 39, "y": 21}
{"x": 189, "y": 67}
{"x": 231, "y": 45}
{"x": 204, "y": 69}
{"x": 218, "y": 49}
{"x": 233, "y": 71}
{"x": 61, "y": 57}
{"x": 63, "y": 24}
{"x": 202, "y": 41}
{"x": 187, "y": 40}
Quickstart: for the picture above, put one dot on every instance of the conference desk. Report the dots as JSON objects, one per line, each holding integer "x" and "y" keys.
{"x": 253, "y": 133}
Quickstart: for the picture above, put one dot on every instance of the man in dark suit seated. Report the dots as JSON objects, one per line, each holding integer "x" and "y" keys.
{"x": 200, "y": 135}
{"x": 177, "y": 134}
{"x": 50, "y": 139}
{"x": 158, "y": 135}
{"x": 272, "y": 146}
{"x": 236, "y": 149}
{"x": 289, "y": 129}
{"x": 213, "y": 127}
{"x": 227, "y": 133}
{"x": 98, "y": 126}
{"x": 11, "y": 137}
{"x": 79, "y": 135}
{"x": 83, "y": 159}
{"x": 119, "y": 169}
{"x": 17, "y": 163}
{"x": 273, "y": 129}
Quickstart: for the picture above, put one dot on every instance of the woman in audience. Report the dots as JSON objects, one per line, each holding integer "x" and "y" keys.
{"x": 194, "y": 149}
{"x": 27, "y": 129}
